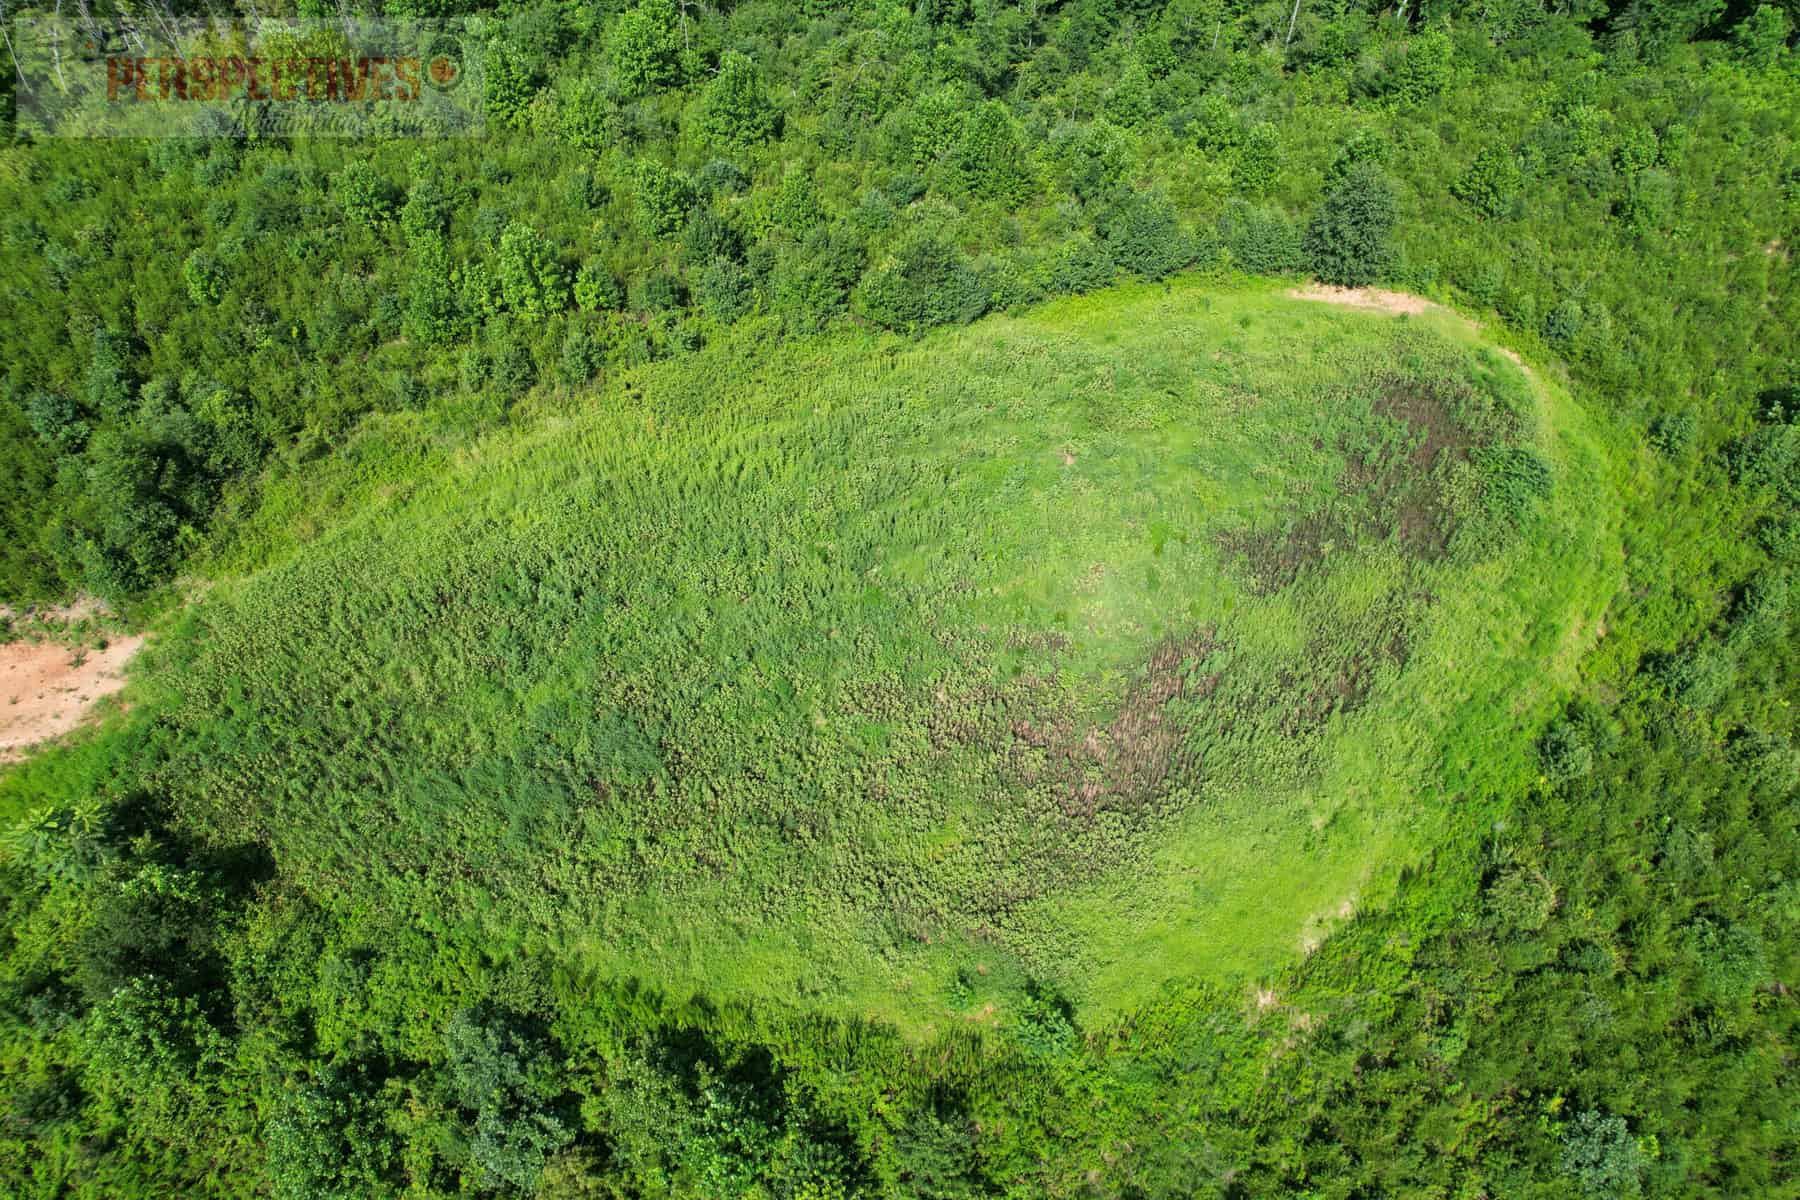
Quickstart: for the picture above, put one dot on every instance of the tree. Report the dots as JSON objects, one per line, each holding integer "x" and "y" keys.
{"x": 330, "y": 1140}
{"x": 532, "y": 282}
{"x": 431, "y": 309}
{"x": 368, "y": 197}
{"x": 662, "y": 198}
{"x": 1760, "y": 39}
{"x": 1144, "y": 236}
{"x": 597, "y": 289}
{"x": 990, "y": 157}
{"x": 735, "y": 107}
{"x": 1603, "y": 1158}
{"x": 1262, "y": 241}
{"x": 645, "y": 46}
{"x": 204, "y": 276}
{"x": 1349, "y": 241}
{"x": 925, "y": 283}
{"x": 725, "y": 289}
{"x": 1491, "y": 184}
{"x": 505, "y": 1074}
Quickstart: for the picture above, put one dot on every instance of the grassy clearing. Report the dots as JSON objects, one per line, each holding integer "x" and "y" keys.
{"x": 1099, "y": 646}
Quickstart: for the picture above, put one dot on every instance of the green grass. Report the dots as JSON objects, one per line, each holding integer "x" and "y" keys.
{"x": 844, "y": 678}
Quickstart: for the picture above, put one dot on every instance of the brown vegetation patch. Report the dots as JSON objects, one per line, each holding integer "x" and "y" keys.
{"x": 1343, "y": 673}
{"x": 1124, "y": 763}
{"x": 1404, "y": 496}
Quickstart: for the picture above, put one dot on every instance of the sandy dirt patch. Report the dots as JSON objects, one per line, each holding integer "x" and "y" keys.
{"x": 1393, "y": 302}
{"x": 46, "y": 689}
{"x": 1388, "y": 302}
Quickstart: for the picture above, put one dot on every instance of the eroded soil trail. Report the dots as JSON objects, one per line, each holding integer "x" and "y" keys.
{"x": 47, "y": 689}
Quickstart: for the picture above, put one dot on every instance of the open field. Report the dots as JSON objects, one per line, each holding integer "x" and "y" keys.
{"x": 1140, "y": 637}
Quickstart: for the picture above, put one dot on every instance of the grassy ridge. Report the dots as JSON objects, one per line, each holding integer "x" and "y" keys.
{"x": 886, "y": 680}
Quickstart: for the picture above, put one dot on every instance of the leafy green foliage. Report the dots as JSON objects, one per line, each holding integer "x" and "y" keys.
{"x": 735, "y": 107}
{"x": 645, "y": 47}
{"x": 503, "y": 742}
{"x": 1349, "y": 240}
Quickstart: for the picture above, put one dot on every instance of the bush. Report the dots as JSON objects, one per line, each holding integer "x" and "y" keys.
{"x": 1603, "y": 1158}
{"x": 1082, "y": 265}
{"x": 597, "y": 289}
{"x": 583, "y": 356}
{"x": 204, "y": 276}
{"x": 721, "y": 177}
{"x": 990, "y": 158}
{"x": 662, "y": 198}
{"x": 367, "y": 197}
{"x": 532, "y": 283}
{"x": 735, "y": 107}
{"x": 725, "y": 290}
{"x": 1144, "y": 236}
{"x": 330, "y": 1141}
{"x": 1673, "y": 434}
{"x": 1566, "y": 752}
{"x": 1492, "y": 183}
{"x": 812, "y": 282}
{"x": 1258, "y": 160}
{"x": 925, "y": 283}
{"x": 1349, "y": 241}
{"x": 661, "y": 291}
{"x": 432, "y": 315}
{"x": 1262, "y": 241}
{"x": 1520, "y": 900}
{"x": 644, "y": 46}
{"x": 57, "y": 420}
{"x": 709, "y": 236}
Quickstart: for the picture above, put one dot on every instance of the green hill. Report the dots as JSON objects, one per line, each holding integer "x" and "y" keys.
{"x": 1142, "y": 636}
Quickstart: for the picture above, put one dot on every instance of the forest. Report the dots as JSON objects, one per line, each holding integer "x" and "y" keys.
{"x": 862, "y": 599}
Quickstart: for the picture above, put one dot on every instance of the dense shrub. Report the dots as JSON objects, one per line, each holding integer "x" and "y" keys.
{"x": 1261, "y": 240}
{"x": 1349, "y": 240}
{"x": 1143, "y": 235}
{"x": 735, "y": 108}
{"x": 926, "y": 282}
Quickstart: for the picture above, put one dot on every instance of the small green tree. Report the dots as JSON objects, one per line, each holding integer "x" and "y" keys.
{"x": 735, "y": 107}
{"x": 726, "y": 290}
{"x": 506, "y": 1076}
{"x": 1602, "y": 1157}
{"x": 1349, "y": 241}
{"x": 204, "y": 276}
{"x": 431, "y": 308}
{"x": 368, "y": 197}
{"x": 1491, "y": 184}
{"x": 990, "y": 158}
{"x": 645, "y": 47}
{"x": 597, "y": 289}
{"x": 1760, "y": 39}
{"x": 532, "y": 283}
{"x": 330, "y": 1140}
{"x": 1144, "y": 236}
{"x": 662, "y": 198}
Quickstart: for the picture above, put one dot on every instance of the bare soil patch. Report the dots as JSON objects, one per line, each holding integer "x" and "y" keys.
{"x": 1376, "y": 298}
{"x": 1388, "y": 302}
{"x": 46, "y": 689}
